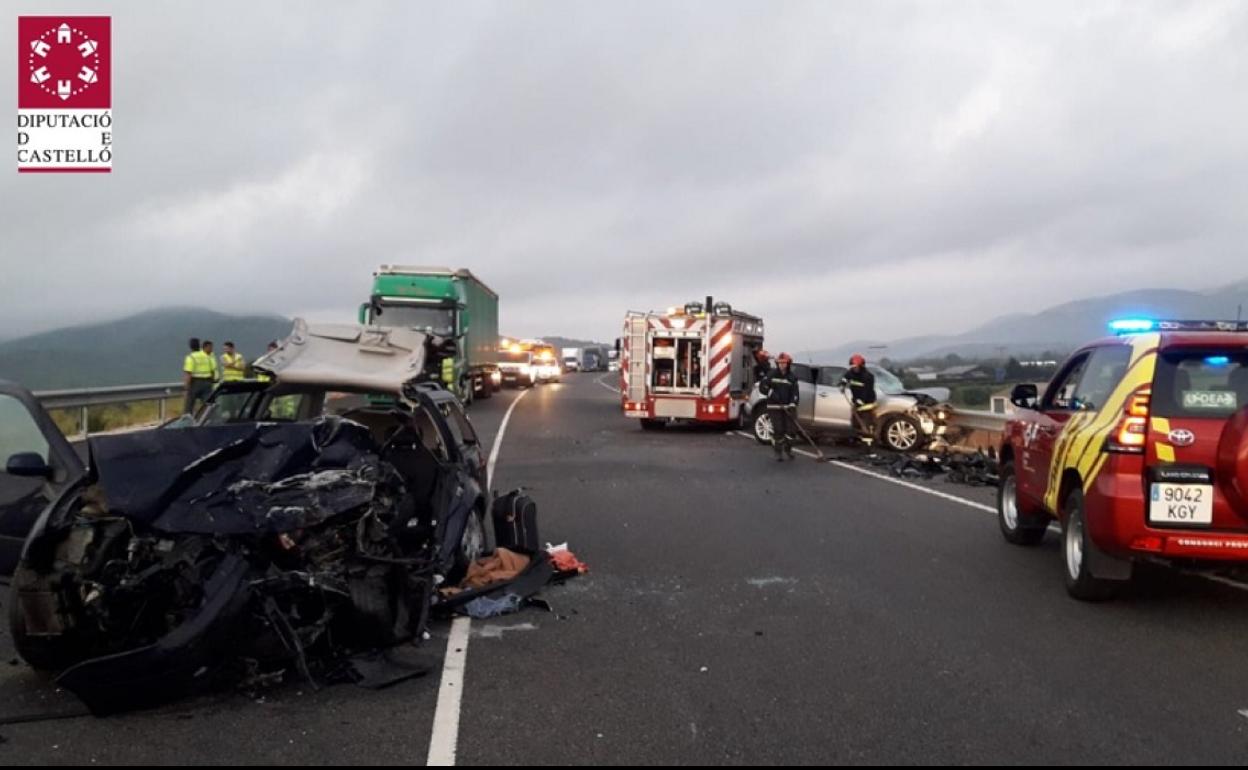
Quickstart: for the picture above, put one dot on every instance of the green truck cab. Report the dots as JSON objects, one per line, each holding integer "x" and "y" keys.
{"x": 446, "y": 303}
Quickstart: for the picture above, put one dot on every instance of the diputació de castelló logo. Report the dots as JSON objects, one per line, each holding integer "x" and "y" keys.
{"x": 64, "y": 94}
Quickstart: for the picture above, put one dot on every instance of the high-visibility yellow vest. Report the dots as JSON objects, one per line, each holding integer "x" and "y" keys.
{"x": 448, "y": 371}
{"x": 227, "y": 361}
{"x": 199, "y": 365}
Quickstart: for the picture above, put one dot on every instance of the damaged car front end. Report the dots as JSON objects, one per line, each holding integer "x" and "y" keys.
{"x": 255, "y": 543}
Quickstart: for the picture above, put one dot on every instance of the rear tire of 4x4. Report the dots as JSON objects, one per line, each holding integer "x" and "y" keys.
{"x": 1077, "y": 555}
{"x": 652, "y": 424}
{"x": 1017, "y": 526}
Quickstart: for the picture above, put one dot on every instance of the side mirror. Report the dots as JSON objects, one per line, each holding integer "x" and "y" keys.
{"x": 465, "y": 320}
{"x": 28, "y": 464}
{"x": 617, "y": 345}
{"x": 364, "y": 317}
{"x": 1024, "y": 396}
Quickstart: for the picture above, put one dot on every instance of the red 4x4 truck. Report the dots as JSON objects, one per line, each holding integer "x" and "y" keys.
{"x": 1139, "y": 448}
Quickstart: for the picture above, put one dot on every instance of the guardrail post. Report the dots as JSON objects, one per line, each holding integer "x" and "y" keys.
{"x": 83, "y": 421}
{"x": 160, "y": 411}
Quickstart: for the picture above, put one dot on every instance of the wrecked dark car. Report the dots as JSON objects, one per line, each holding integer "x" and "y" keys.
{"x": 301, "y": 523}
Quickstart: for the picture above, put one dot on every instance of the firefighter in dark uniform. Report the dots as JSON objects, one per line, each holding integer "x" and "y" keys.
{"x": 780, "y": 388}
{"x": 762, "y": 364}
{"x": 861, "y": 384}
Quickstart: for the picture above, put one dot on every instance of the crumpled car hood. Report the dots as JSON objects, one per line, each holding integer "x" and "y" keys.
{"x": 236, "y": 479}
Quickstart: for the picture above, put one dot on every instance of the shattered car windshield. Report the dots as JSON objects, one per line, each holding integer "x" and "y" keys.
{"x": 434, "y": 320}
{"x": 886, "y": 382}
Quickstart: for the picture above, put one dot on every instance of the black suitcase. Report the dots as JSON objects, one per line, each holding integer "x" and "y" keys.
{"x": 515, "y": 523}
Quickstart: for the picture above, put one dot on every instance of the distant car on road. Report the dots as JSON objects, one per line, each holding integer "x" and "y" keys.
{"x": 905, "y": 421}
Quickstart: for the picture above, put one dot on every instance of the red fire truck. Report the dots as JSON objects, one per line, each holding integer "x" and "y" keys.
{"x": 694, "y": 362}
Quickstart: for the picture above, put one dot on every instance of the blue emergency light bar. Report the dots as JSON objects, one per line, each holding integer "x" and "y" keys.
{"x": 1142, "y": 325}
{"x": 1131, "y": 325}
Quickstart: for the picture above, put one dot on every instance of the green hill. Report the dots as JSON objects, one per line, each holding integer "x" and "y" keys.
{"x": 147, "y": 347}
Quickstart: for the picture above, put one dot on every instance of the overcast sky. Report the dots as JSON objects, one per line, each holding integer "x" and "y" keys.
{"x": 843, "y": 169}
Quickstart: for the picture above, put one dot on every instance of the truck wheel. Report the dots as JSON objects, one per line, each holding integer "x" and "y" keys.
{"x": 652, "y": 424}
{"x": 1078, "y": 552}
{"x": 761, "y": 427}
{"x": 901, "y": 433}
{"x": 1017, "y": 527}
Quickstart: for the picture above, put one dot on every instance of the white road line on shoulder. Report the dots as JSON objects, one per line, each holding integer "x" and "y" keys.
{"x": 498, "y": 439}
{"x": 444, "y": 741}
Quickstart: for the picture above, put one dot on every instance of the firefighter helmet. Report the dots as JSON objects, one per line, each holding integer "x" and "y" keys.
{"x": 857, "y": 360}
{"x": 785, "y": 358}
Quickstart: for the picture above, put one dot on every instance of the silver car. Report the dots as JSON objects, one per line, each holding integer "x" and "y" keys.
{"x": 905, "y": 420}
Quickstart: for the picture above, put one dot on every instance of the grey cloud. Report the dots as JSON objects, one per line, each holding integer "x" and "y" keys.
{"x": 834, "y": 167}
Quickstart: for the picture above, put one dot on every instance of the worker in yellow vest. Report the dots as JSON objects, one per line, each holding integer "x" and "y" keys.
{"x": 448, "y": 373}
{"x": 212, "y": 358}
{"x": 233, "y": 367}
{"x": 197, "y": 376}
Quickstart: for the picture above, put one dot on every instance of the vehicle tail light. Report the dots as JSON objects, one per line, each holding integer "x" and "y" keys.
{"x": 1131, "y": 434}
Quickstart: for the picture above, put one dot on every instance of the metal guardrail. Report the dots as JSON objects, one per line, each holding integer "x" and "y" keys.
{"x": 85, "y": 398}
{"x": 992, "y": 422}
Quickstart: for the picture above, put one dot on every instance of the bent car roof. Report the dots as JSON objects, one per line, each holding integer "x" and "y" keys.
{"x": 348, "y": 356}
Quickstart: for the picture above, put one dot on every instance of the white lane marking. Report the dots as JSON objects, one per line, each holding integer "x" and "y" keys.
{"x": 443, "y": 743}
{"x": 498, "y": 439}
{"x": 1054, "y": 527}
{"x": 907, "y": 484}
{"x": 611, "y": 388}
{"x": 892, "y": 480}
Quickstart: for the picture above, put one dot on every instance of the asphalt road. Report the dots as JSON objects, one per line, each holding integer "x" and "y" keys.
{"x": 744, "y": 611}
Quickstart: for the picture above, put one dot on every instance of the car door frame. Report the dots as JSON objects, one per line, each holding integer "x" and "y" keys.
{"x": 831, "y": 407}
{"x": 67, "y": 468}
{"x": 1041, "y": 432}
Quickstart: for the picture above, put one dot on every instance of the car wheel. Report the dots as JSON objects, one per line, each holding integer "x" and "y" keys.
{"x": 1016, "y": 526}
{"x": 472, "y": 544}
{"x": 487, "y": 387}
{"x": 652, "y": 424}
{"x": 901, "y": 433}
{"x": 1077, "y": 550}
{"x": 761, "y": 427}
